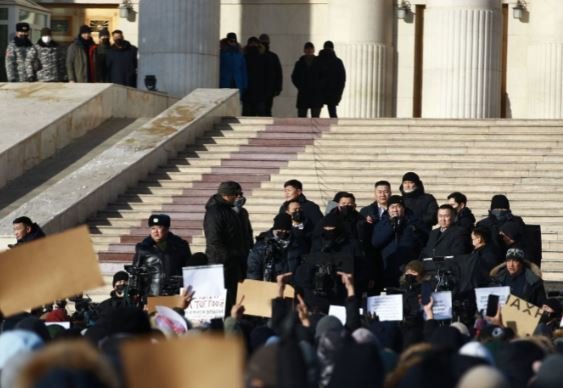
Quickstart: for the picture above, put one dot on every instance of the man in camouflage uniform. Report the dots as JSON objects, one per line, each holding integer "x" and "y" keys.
{"x": 46, "y": 61}
{"x": 16, "y": 54}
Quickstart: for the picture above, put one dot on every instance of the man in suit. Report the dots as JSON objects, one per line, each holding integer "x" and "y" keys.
{"x": 448, "y": 239}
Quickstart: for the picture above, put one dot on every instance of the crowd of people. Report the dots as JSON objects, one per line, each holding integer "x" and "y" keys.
{"x": 82, "y": 61}
{"x": 340, "y": 257}
{"x": 257, "y": 72}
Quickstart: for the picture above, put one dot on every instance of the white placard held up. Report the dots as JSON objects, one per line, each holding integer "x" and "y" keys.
{"x": 442, "y": 305}
{"x": 482, "y": 296}
{"x": 387, "y": 307}
{"x": 205, "y": 308}
{"x": 340, "y": 312}
{"x": 206, "y": 280}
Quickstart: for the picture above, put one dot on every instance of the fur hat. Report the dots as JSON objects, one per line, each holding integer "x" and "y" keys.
{"x": 159, "y": 220}
{"x": 22, "y": 27}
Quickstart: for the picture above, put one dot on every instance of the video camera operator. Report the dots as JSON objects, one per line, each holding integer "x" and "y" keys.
{"x": 121, "y": 295}
{"x": 276, "y": 251}
{"x": 410, "y": 285}
{"x": 161, "y": 256}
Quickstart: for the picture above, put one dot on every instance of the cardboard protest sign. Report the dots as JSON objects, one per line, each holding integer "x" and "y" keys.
{"x": 520, "y": 316}
{"x": 189, "y": 361}
{"x": 210, "y": 296}
{"x": 482, "y": 296}
{"x": 442, "y": 305}
{"x": 167, "y": 301}
{"x": 41, "y": 271}
{"x": 387, "y": 307}
{"x": 258, "y": 296}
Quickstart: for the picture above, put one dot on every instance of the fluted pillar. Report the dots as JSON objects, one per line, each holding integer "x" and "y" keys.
{"x": 362, "y": 31}
{"x": 545, "y": 60}
{"x": 462, "y": 59}
{"x": 179, "y": 44}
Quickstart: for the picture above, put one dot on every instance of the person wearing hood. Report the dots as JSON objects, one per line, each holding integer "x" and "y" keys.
{"x": 228, "y": 235}
{"x": 423, "y": 205}
{"x": 121, "y": 61}
{"x": 306, "y": 77}
{"x": 26, "y": 231}
{"x": 523, "y": 277}
{"x": 17, "y": 51}
{"x": 499, "y": 215}
{"x": 81, "y": 57}
{"x": 333, "y": 77}
{"x": 274, "y": 83}
{"x": 162, "y": 251}
{"x": 259, "y": 71}
{"x": 46, "y": 59}
{"x": 102, "y": 51}
{"x": 276, "y": 252}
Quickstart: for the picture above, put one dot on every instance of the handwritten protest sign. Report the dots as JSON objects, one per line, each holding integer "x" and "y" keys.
{"x": 188, "y": 361}
{"x": 41, "y": 271}
{"x": 210, "y": 296}
{"x": 387, "y": 307}
{"x": 482, "y": 296}
{"x": 205, "y": 308}
{"x": 258, "y": 296}
{"x": 442, "y": 305}
{"x": 520, "y": 316}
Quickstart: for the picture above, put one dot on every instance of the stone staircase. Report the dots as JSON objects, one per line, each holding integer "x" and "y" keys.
{"x": 521, "y": 159}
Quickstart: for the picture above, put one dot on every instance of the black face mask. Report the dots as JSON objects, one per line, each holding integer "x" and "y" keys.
{"x": 346, "y": 210}
{"x": 118, "y": 42}
{"x": 282, "y": 235}
{"x": 297, "y": 216}
{"x": 410, "y": 279}
{"x": 120, "y": 289}
{"x": 501, "y": 215}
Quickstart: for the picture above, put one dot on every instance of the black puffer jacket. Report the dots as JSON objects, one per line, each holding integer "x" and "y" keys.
{"x": 121, "y": 63}
{"x": 173, "y": 257}
{"x": 228, "y": 234}
{"x": 423, "y": 205}
{"x": 333, "y": 77}
{"x": 35, "y": 234}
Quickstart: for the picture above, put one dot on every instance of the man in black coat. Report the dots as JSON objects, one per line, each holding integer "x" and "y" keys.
{"x": 162, "y": 252}
{"x": 333, "y": 77}
{"x": 25, "y": 231}
{"x": 293, "y": 189}
{"x": 259, "y": 70}
{"x": 485, "y": 255}
{"x": 121, "y": 61}
{"x": 448, "y": 239}
{"x": 228, "y": 235}
{"x": 307, "y": 79}
{"x": 274, "y": 83}
{"x": 464, "y": 216}
{"x": 423, "y": 205}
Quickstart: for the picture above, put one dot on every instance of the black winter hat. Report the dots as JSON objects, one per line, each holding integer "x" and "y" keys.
{"x": 282, "y": 222}
{"x": 46, "y": 31}
{"x": 84, "y": 29}
{"x": 328, "y": 45}
{"x": 395, "y": 199}
{"x": 229, "y": 188}
{"x": 103, "y": 32}
{"x": 500, "y": 201}
{"x": 412, "y": 177}
{"x": 159, "y": 220}
{"x": 232, "y": 35}
{"x": 22, "y": 27}
{"x": 120, "y": 275}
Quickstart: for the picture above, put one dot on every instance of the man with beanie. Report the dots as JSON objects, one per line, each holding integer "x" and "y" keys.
{"x": 523, "y": 277}
{"x": 102, "y": 50}
{"x": 423, "y": 205}
{"x": 306, "y": 77}
{"x": 274, "y": 83}
{"x": 276, "y": 252}
{"x": 333, "y": 77}
{"x": 46, "y": 59}
{"x": 228, "y": 235}
{"x": 399, "y": 237}
{"x": 121, "y": 61}
{"x": 499, "y": 215}
{"x": 119, "y": 296}
{"x": 162, "y": 252}
{"x": 17, "y": 52}
{"x": 81, "y": 57}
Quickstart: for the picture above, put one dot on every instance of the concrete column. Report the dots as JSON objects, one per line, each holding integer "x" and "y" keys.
{"x": 179, "y": 44}
{"x": 545, "y": 59}
{"x": 362, "y": 32}
{"x": 462, "y": 59}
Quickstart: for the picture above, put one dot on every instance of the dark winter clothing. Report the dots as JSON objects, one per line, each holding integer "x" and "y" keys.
{"x": 228, "y": 236}
{"x": 493, "y": 224}
{"x": 122, "y": 64}
{"x": 373, "y": 255}
{"x": 423, "y": 205}
{"x": 259, "y": 71}
{"x": 233, "y": 69}
{"x": 307, "y": 79}
{"x": 102, "y": 71}
{"x": 333, "y": 77}
{"x": 273, "y": 84}
{"x": 527, "y": 285}
{"x": 451, "y": 242}
{"x": 35, "y": 234}
{"x": 81, "y": 61}
{"x": 309, "y": 208}
{"x": 46, "y": 62}
{"x": 465, "y": 219}
{"x": 16, "y": 58}
{"x": 487, "y": 260}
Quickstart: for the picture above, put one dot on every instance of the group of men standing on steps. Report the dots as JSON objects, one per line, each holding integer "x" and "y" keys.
{"x": 83, "y": 61}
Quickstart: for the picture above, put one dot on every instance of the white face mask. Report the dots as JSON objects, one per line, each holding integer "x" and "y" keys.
{"x": 46, "y": 39}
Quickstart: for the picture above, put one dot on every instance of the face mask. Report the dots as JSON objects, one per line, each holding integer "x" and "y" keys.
{"x": 46, "y": 39}
{"x": 297, "y": 216}
{"x": 346, "y": 210}
{"x": 410, "y": 279}
{"x": 239, "y": 202}
{"x": 500, "y": 215}
{"x": 120, "y": 289}
{"x": 118, "y": 42}
{"x": 282, "y": 235}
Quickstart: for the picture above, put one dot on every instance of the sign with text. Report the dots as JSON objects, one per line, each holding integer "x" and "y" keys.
{"x": 206, "y": 308}
{"x": 386, "y": 307}
{"x": 55, "y": 267}
{"x": 442, "y": 305}
{"x": 520, "y": 316}
{"x": 482, "y": 296}
{"x": 258, "y": 296}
